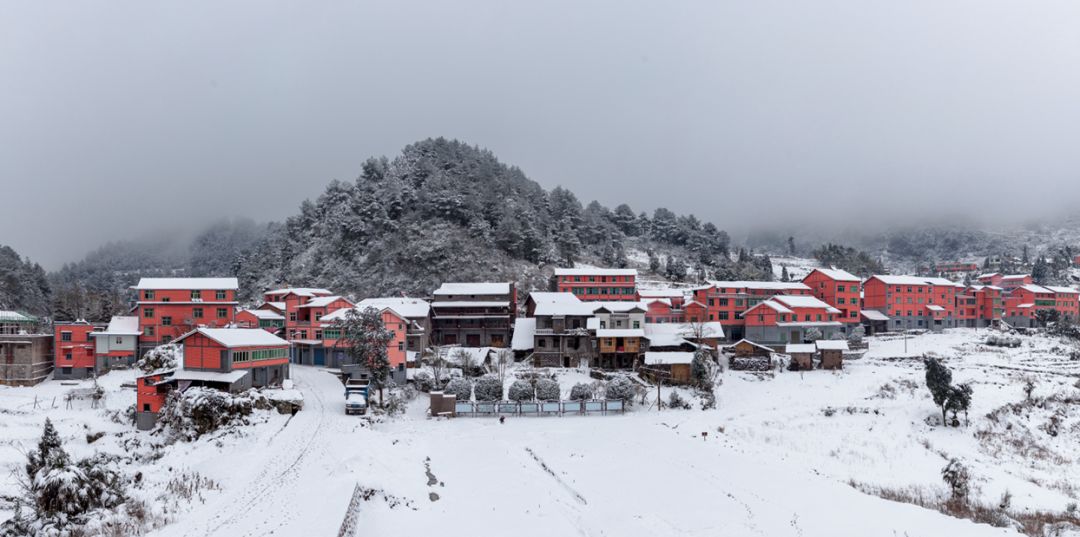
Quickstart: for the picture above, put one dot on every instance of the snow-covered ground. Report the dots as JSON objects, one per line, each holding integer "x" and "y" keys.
{"x": 781, "y": 451}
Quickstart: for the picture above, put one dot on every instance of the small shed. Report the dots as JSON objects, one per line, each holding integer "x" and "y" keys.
{"x": 677, "y": 364}
{"x": 874, "y": 322}
{"x": 802, "y": 356}
{"x": 832, "y": 353}
{"x": 747, "y": 355}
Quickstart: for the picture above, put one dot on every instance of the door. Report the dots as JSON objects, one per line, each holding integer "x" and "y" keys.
{"x": 320, "y": 356}
{"x": 472, "y": 340}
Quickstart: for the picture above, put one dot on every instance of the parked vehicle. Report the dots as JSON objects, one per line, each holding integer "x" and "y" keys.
{"x": 355, "y": 403}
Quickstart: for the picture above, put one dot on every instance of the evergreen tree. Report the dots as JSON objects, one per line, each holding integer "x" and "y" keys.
{"x": 784, "y": 277}
{"x": 1040, "y": 271}
{"x": 366, "y": 341}
{"x": 939, "y": 382}
{"x": 791, "y": 245}
{"x": 702, "y": 367}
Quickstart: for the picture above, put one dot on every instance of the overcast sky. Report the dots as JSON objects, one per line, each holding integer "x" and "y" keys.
{"x": 121, "y": 117}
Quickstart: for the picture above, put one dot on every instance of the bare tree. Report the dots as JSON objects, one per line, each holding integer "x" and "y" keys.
{"x": 437, "y": 362}
{"x": 503, "y": 359}
{"x": 464, "y": 359}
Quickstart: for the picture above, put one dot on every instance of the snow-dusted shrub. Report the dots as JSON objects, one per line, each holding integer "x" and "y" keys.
{"x": 459, "y": 387}
{"x": 621, "y": 388}
{"x": 708, "y": 398}
{"x": 521, "y": 390}
{"x": 676, "y": 401}
{"x": 957, "y": 477}
{"x": 424, "y": 381}
{"x": 399, "y": 399}
{"x": 161, "y": 357}
{"x": 488, "y": 388}
{"x": 548, "y": 390}
{"x": 581, "y": 392}
{"x": 197, "y": 411}
{"x": 812, "y": 335}
{"x": 857, "y": 334}
{"x": 62, "y": 496}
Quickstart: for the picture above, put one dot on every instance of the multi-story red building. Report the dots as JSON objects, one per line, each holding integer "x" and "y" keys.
{"x": 74, "y": 347}
{"x": 597, "y": 283}
{"x": 230, "y": 359}
{"x": 1023, "y": 304}
{"x": 955, "y": 267}
{"x": 335, "y": 344}
{"x": 785, "y": 319}
{"x": 170, "y": 307}
{"x": 304, "y": 308}
{"x": 1008, "y": 282}
{"x": 912, "y": 302}
{"x": 725, "y": 301}
{"x": 839, "y": 289}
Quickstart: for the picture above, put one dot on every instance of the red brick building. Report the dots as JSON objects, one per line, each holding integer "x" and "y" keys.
{"x": 74, "y": 350}
{"x": 839, "y": 289}
{"x": 396, "y": 349}
{"x": 170, "y": 307}
{"x": 912, "y": 302}
{"x": 597, "y": 283}
{"x": 725, "y": 301}
{"x": 786, "y": 319}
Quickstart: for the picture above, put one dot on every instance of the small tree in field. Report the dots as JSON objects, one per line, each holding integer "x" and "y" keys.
{"x": 437, "y": 362}
{"x": 959, "y": 400}
{"x": 702, "y": 367}
{"x": 581, "y": 392}
{"x": 459, "y": 387}
{"x": 957, "y": 477}
{"x": 939, "y": 382}
{"x": 367, "y": 341}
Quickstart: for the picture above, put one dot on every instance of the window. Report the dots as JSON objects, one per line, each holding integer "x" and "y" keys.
{"x": 148, "y": 294}
{"x": 318, "y": 316}
{"x": 196, "y": 295}
{"x": 292, "y": 316}
{"x": 220, "y": 295}
{"x": 148, "y": 331}
{"x": 148, "y": 313}
{"x": 65, "y": 336}
{"x": 637, "y": 324}
{"x": 65, "y": 370}
{"x": 67, "y": 356}
{"x": 400, "y": 346}
{"x": 318, "y": 334}
{"x": 166, "y": 321}
{"x": 222, "y": 313}
{"x": 723, "y": 302}
{"x": 146, "y": 407}
{"x": 840, "y": 300}
{"x": 197, "y": 313}
{"x": 723, "y": 315}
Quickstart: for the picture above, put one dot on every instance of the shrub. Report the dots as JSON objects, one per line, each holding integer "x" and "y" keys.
{"x": 957, "y": 477}
{"x": 548, "y": 390}
{"x": 460, "y": 387}
{"x": 161, "y": 357}
{"x": 581, "y": 392}
{"x": 197, "y": 411}
{"x": 424, "y": 381}
{"x": 488, "y": 388}
{"x": 857, "y": 334}
{"x": 621, "y": 388}
{"x": 676, "y": 401}
{"x": 521, "y": 390}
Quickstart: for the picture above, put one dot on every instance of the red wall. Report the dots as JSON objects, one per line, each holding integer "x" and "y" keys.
{"x": 81, "y": 347}
{"x": 181, "y": 310}
{"x": 842, "y": 295}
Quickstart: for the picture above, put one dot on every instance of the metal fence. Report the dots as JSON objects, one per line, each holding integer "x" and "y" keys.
{"x": 539, "y": 408}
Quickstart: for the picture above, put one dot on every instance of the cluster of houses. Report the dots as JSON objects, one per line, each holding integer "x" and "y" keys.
{"x": 590, "y": 316}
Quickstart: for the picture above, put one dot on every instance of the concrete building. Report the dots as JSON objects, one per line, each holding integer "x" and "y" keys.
{"x": 787, "y": 319}
{"x": 474, "y": 314}
{"x": 912, "y": 302}
{"x": 597, "y": 283}
{"x": 841, "y": 290}
{"x": 118, "y": 345}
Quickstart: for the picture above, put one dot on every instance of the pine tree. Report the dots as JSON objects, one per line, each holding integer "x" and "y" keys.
{"x": 939, "y": 382}
{"x": 791, "y": 246}
{"x": 1040, "y": 271}
{"x": 784, "y": 277}
{"x": 367, "y": 339}
{"x": 702, "y": 366}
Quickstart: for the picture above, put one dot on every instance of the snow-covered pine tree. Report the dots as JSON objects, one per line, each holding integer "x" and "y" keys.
{"x": 939, "y": 382}
{"x": 459, "y": 387}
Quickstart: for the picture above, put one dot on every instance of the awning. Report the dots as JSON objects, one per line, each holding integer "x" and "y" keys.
{"x": 874, "y": 315}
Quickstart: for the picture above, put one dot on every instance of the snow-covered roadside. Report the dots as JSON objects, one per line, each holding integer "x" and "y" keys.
{"x": 780, "y": 451}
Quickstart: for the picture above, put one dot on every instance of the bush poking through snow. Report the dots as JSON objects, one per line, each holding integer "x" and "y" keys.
{"x": 459, "y": 387}
{"x": 197, "y": 411}
{"x": 488, "y": 388}
{"x": 958, "y": 479}
{"x": 521, "y": 390}
{"x": 548, "y": 390}
{"x": 424, "y": 381}
{"x": 676, "y": 401}
{"x": 621, "y": 388}
{"x": 60, "y": 496}
{"x": 161, "y": 357}
{"x": 812, "y": 335}
{"x": 581, "y": 392}
{"x": 857, "y": 334}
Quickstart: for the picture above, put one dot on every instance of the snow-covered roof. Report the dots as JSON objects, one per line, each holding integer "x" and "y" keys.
{"x": 322, "y": 301}
{"x": 875, "y": 315}
{"x": 797, "y": 301}
{"x": 798, "y": 348}
{"x": 1015, "y": 276}
{"x": 14, "y": 317}
{"x": 620, "y": 332}
{"x": 121, "y": 326}
{"x": 470, "y": 304}
{"x": 747, "y": 341}
{"x": 524, "y": 330}
{"x": 174, "y": 284}
{"x": 595, "y": 272}
{"x": 837, "y": 274}
{"x": 987, "y": 276}
{"x": 1060, "y": 289}
{"x": 805, "y": 324}
{"x": 665, "y": 358}
{"x": 666, "y": 292}
{"x": 775, "y": 306}
{"x": 409, "y": 307}
{"x": 299, "y": 291}
{"x": 776, "y": 286}
{"x": 277, "y": 305}
{"x": 831, "y": 344}
{"x": 579, "y": 308}
{"x": 1035, "y": 288}
{"x": 478, "y": 355}
{"x": 618, "y": 306}
{"x": 210, "y": 376}
{"x": 933, "y": 307}
{"x": 238, "y": 337}
{"x": 549, "y": 296}
{"x": 478, "y": 288}
{"x": 339, "y": 314}
{"x": 1026, "y": 306}
{"x": 266, "y": 314}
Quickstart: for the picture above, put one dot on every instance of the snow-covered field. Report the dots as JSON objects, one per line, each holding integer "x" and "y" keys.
{"x": 779, "y": 458}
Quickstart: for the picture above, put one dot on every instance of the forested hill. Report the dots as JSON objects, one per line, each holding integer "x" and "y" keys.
{"x": 23, "y": 284}
{"x": 446, "y": 211}
{"x": 440, "y": 211}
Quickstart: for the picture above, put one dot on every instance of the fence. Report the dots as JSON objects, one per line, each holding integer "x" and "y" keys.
{"x": 539, "y": 408}
{"x": 348, "y": 526}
